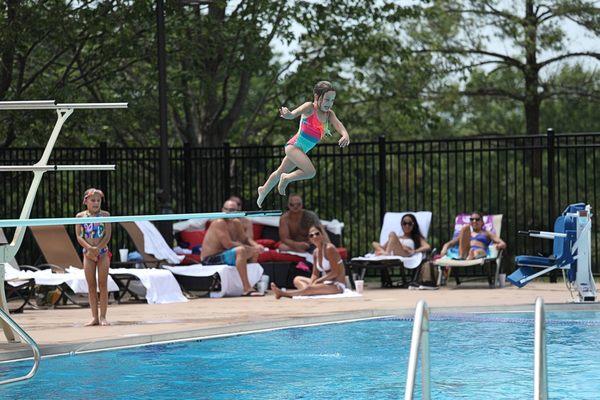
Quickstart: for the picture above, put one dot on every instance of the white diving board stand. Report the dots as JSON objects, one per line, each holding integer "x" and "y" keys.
{"x": 63, "y": 111}
{"x": 8, "y": 251}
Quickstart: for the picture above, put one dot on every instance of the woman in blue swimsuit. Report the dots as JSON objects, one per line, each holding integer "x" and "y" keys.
{"x": 473, "y": 241}
{"x": 93, "y": 238}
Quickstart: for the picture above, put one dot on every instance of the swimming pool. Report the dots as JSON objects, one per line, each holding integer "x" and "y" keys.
{"x": 473, "y": 356}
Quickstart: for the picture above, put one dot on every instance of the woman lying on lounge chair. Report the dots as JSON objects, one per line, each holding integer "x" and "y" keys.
{"x": 409, "y": 243}
{"x": 328, "y": 275}
{"x": 473, "y": 241}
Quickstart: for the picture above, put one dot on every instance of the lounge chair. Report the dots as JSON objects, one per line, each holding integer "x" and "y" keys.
{"x": 194, "y": 283}
{"x": 391, "y": 223}
{"x": 492, "y": 261}
{"x": 62, "y": 257}
{"x": 160, "y": 285}
{"x": 216, "y": 280}
{"x": 17, "y": 287}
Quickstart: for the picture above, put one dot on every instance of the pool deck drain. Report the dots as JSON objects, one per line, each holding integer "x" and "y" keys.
{"x": 60, "y": 331}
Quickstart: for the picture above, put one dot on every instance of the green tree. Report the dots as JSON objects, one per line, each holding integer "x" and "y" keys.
{"x": 505, "y": 35}
{"x": 68, "y": 51}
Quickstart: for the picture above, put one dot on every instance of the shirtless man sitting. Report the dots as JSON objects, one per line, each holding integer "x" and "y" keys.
{"x": 294, "y": 225}
{"x": 226, "y": 242}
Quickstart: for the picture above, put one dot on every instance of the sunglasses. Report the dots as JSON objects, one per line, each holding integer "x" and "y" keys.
{"x": 294, "y": 204}
{"x": 314, "y": 234}
{"x": 407, "y": 223}
{"x": 230, "y": 209}
{"x": 475, "y": 219}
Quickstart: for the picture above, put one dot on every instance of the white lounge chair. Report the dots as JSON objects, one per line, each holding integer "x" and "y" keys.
{"x": 392, "y": 223}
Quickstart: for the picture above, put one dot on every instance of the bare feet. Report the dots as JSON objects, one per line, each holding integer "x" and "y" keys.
{"x": 283, "y": 183}
{"x": 93, "y": 322}
{"x": 276, "y": 290}
{"x": 104, "y": 322}
{"x": 261, "y": 196}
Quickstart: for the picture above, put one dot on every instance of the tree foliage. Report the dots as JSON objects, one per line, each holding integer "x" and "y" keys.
{"x": 429, "y": 69}
{"x": 524, "y": 40}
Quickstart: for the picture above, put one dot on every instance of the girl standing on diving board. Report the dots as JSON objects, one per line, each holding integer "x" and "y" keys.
{"x": 314, "y": 124}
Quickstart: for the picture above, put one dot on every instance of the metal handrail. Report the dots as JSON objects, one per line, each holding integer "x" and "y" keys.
{"x": 36, "y": 350}
{"x": 540, "y": 363}
{"x": 420, "y": 336}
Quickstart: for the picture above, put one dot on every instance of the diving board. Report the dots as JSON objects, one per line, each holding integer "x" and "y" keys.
{"x": 5, "y": 223}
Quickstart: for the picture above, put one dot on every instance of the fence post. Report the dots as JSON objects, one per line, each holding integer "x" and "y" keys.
{"x": 187, "y": 174}
{"x": 382, "y": 178}
{"x": 551, "y": 189}
{"x": 226, "y": 166}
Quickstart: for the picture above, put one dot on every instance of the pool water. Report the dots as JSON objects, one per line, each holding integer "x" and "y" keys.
{"x": 474, "y": 356}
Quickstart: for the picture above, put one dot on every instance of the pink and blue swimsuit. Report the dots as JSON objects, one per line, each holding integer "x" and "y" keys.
{"x": 311, "y": 132}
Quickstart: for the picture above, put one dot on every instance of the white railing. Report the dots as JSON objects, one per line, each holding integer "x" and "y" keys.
{"x": 420, "y": 338}
{"x": 540, "y": 364}
{"x": 34, "y": 347}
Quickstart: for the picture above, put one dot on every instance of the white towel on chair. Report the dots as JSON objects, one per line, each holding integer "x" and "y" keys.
{"x": 74, "y": 278}
{"x": 231, "y": 283}
{"x": 155, "y": 244}
{"x": 347, "y": 293}
{"x": 161, "y": 286}
{"x": 411, "y": 262}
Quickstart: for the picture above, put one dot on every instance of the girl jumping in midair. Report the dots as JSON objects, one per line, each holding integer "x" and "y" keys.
{"x": 314, "y": 124}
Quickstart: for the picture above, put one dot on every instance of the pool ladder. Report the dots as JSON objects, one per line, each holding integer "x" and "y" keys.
{"x": 36, "y": 350}
{"x": 420, "y": 340}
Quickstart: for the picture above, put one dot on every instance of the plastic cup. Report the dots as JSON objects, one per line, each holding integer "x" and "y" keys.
{"x": 360, "y": 284}
{"x": 263, "y": 284}
{"x": 123, "y": 253}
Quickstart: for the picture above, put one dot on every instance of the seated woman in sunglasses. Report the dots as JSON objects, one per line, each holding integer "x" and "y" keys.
{"x": 328, "y": 274}
{"x": 473, "y": 241}
{"x": 409, "y": 243}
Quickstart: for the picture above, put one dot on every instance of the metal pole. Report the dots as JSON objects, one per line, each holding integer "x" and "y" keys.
{"x": 551, "y": 189}
{"x": 164, "y": 194}
{"x": 540, "y": 369}
{"x": 382, "y": 178}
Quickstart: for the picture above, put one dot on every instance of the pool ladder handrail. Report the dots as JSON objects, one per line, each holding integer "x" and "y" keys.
{"x": 36, "y": 350}
{"x": 540, "y": 362}
{"x": 420, "y": 338}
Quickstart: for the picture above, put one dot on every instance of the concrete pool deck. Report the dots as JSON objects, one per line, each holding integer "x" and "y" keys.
{"x": 61, "y": 330}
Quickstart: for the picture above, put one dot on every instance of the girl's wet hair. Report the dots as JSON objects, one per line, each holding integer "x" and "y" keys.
{"x": 90, "y": 192}
{"x": 322, "y": 87}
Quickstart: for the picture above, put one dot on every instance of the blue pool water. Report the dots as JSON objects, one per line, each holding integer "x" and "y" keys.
{"x": 476, "y": 356}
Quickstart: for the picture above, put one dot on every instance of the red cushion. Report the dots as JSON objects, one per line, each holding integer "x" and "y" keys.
{"x": 268, "y": 243}
{"x": 191, "y": 259}
{"x": 342, "y": 252}
{"x": 194, "y": 238}
{"x": 273, "y": 255}
{"x": 257, "y": 231}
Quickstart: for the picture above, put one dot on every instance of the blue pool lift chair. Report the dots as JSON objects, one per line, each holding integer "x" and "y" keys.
{"x": 571, "y": 253}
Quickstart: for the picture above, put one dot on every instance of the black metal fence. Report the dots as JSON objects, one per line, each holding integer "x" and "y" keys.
{"x": 528, "y": 179}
